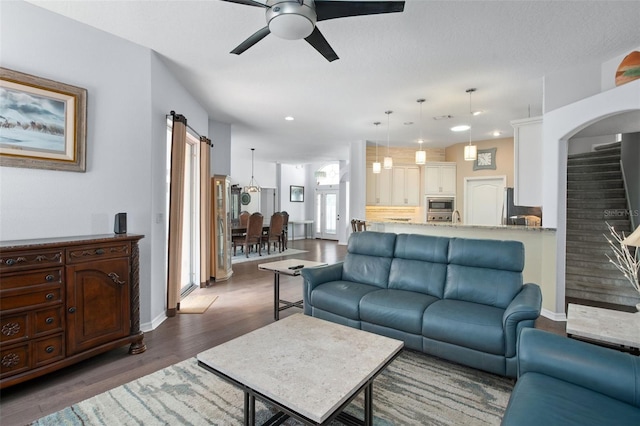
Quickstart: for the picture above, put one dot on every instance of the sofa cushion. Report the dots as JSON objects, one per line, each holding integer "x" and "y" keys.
{"x": 419, "y": 264}
{"x": 368, "y": 258}
{"x": 341, "y": 297}
{"x": 467, "y": 324}
{"x": 538, "y": 399}
{"x": 494, "y": 254}
{"x": 491, "y": 287}
{"x": 398, "y": 309}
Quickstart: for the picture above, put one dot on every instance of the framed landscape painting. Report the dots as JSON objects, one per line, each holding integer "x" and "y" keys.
{"x": 42, "y": 123}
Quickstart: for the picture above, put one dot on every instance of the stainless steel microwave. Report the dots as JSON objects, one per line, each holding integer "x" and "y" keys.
{"x": 440, "y": 204}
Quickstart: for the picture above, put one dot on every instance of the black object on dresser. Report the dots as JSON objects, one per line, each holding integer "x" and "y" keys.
{"x": 63, "y": 300}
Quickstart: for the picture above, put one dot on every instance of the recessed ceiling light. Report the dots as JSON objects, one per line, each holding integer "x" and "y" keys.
{"x": 289, "y": 118}
{"x": 476, "y": 112}
{"x": 460, "y": 128}
{"x": 496, "y": 133}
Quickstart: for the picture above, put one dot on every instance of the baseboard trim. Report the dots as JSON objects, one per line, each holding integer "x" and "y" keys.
{"x": 150, "y": 326}
{"x": 554, "y": 316}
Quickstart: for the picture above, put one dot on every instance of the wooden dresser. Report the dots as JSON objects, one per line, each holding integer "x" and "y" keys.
{"x": 63, "y": 300}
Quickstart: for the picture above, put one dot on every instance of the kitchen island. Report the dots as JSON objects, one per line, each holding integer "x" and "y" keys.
{"x": 539, "y": 248}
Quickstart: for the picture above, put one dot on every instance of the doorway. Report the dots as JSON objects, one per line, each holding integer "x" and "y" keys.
{"x": 326, "y": 214}
{"x": 484, "y": 200}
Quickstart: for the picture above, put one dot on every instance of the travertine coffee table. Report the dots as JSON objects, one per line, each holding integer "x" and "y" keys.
{"x": 604, "y": 325}
{"x": 310, "y": 369}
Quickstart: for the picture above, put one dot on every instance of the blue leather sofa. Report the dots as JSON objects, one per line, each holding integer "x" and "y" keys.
{"x": 459, "y": 299}
{"x": 567, "y": 382}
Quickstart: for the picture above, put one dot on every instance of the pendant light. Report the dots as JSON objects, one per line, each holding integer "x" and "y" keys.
{"x": 470, "y": 151}
{"x": 377, "y": 167}
{"x": 421, "y": 154}
{"x": 387, "y": 162}
{"x": 253, "y": 184}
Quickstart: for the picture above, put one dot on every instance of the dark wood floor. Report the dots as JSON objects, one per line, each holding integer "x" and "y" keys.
{"x": 245, "y": 302}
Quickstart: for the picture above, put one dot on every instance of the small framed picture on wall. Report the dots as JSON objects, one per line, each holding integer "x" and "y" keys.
{"x": 296, "y": 193}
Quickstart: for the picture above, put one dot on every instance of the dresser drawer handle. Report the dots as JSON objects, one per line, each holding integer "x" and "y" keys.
{"x": 49, "y": 278}
{"x": 72, "y": 310}
{"x": 100, "y": 251}
{"x": 49, "y": 320}
{"x": 50, "y": 296}
{"x": 49, "y": 349}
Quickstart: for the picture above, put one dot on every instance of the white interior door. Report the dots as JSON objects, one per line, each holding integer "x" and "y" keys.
{"x": 326, "y": 217}
{"x": 483, "y": 200}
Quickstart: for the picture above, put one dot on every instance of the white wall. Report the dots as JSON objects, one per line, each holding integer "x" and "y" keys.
{"x": 129, "y": 93}
{"x": 220, "y": 135}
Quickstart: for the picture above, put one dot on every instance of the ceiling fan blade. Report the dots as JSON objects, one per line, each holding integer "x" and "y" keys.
{"x": 328, "y": 9}
{"x": 248, "y": 2}
{"x": 317, "y": 40}
{"x": 256, "y": 37}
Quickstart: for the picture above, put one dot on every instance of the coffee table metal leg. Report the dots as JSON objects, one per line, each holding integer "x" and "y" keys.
{"x": 368, "y": 404}
{"x": 249, "y": 409}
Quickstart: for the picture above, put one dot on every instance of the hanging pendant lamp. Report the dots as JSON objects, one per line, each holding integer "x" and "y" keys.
{"x": 470, "y": 151}
{"x": 387, "y": 162}
{"x": 377, "y": 167}
{"x": 253, "y": 184}
{"x": 421, "y": 154}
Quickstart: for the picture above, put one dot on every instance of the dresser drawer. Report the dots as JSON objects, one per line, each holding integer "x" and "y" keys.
{"x": 48, "y": 349}
{"x": 30, "y": 278}
{"x": 16, "y": 261}
{"x": 13, "y": 328}
{"x": 41, "y": 297}
{"x": 47, "y": 320}
{"x": 14, "y": 360}
{"x": 98, "y": 251}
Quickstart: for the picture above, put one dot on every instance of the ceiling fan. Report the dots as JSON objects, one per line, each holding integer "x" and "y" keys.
{"x": 296, "y": 19}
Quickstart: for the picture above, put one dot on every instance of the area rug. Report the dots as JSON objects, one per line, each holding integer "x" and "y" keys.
{"x": 197, "y": 302}
{"x": 240, "y": 257}
{"x": 416, "y": 389}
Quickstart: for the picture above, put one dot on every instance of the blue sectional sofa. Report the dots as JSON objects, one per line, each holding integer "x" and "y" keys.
{"x": 566, "y": 382}
{"x": 459, "y": 299}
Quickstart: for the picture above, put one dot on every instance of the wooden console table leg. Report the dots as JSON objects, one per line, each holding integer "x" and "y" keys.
{"x": 138, "y": 346}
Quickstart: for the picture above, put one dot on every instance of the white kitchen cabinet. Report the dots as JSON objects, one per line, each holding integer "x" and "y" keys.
{"x": 527, "y": 150}
{"x": 405, "y": 186}
{"x": 378, "y": 187}
{"x": 440, "y": 178}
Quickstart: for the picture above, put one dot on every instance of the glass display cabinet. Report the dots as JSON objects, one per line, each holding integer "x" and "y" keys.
{"x": 221, "y": 228}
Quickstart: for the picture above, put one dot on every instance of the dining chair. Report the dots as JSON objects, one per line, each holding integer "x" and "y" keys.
{"x": 285, "y": 230}
{"x": 237, "y": 238}
{"x": 254, "y": 233}
{"x": 274, "y": 235}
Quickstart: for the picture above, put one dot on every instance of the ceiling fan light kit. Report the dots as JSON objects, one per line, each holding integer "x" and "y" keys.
{"x": 296, "y": 19}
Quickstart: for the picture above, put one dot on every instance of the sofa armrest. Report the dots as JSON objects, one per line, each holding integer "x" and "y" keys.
{"x": 313, "y": 277}
{"x": 607, "y": 371}
{"x": 522, "y": 312}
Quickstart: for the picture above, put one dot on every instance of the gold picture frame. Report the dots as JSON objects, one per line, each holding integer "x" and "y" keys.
{"x": 43, "y": 123}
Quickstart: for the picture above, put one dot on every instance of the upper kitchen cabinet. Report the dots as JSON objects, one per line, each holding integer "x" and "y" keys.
{"x": 440, "y": 179}
{"x": 527, "y": 150}
{"x": 405, "y": 186}
{"x": 399, "y": 186}
{"x": 378, "y": 187}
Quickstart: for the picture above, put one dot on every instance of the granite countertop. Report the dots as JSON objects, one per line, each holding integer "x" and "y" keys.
{"x": 462, "y": 225}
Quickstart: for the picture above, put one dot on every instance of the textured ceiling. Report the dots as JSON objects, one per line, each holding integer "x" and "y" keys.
{"x": 433, "y": 50}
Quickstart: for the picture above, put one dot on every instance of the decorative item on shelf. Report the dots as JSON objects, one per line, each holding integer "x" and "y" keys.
{"x": 470, "y": 151}
{"x": 253, "y": 184}
{"x": 377, "y": 167}
{"x": 629, "y": 68}
{"x": 421, "y": 154}
{"x": 387, "y": 162}
{"x": 486, "y": 159}
{"x": 319, "y": 175}
{"x": 627, "y": 263}
{"x": 245, "y": 198}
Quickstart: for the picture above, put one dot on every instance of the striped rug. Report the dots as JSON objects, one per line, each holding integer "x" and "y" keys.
{"x": 415, "y": 389}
